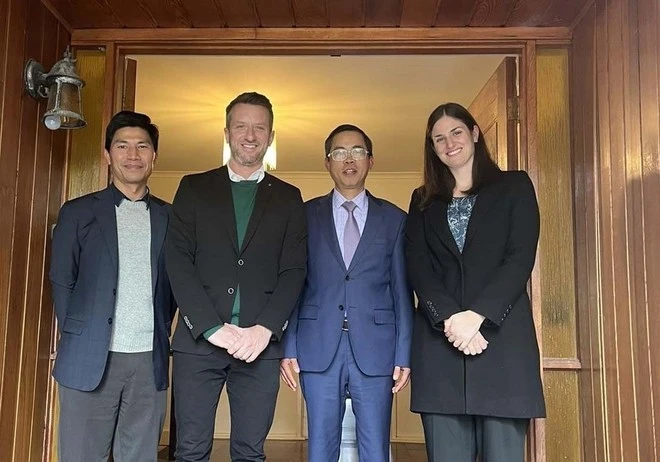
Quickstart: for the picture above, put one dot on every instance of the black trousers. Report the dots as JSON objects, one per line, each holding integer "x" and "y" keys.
{"x": 460, "y": 438}
{"x": 197, "y": 382}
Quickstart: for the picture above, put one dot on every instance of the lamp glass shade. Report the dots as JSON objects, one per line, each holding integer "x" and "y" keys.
{"x": 64, "y": 102}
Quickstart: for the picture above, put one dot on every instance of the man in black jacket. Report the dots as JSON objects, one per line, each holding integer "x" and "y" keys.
{"x": 236, "y": 251}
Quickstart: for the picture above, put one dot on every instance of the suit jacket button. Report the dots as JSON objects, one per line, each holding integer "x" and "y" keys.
{"x": 114, "y": 292}
{"x": 240, "y": 262}
{"x": 109, "y": 320}
{"x": 230, "y": 291}
{"x": 341, "y": 307}
{"x": 348, "y": 278}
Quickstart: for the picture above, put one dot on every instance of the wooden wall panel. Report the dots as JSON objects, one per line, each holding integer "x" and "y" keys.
{"x": 274, "y": 13}
{"x": 32, "y": 163}
{"x": 487, "y": 14}
{"x": 382, "y": 12}
{"x": 345, "y": 13}
{"x": 455, "y": 13}
{"x": 617, "y": 176}
{"x": 556, "y": 267}
{"x": 309, "y": 13}
{"x": 86, "y": 157}
{"x": 418, "y": 13}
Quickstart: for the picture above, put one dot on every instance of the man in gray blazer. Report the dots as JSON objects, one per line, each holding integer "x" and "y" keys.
{"x": 114, "y": 306}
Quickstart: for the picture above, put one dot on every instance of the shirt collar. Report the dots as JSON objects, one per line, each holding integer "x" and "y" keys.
{"x": 257, "y": 175}
{"x": 360, "y": 200}
{"x": 119, "y": 196}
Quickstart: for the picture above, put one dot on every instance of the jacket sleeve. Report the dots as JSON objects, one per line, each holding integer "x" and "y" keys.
{"x": 290, "y": 336}
{"x": 64, "y": 261}
{"x": 403, "y": 300}
{"x": 434, "y": 299}
{"x": 195, "y": 306}
{"x": 510, "y": 280}
{"x": 292, "y": 271}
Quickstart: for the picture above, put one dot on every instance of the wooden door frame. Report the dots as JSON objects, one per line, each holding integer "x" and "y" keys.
{"x": 522, "y": 42}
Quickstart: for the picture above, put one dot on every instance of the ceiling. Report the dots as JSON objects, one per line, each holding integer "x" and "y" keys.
{"x": 102, "y": 14}
{"x": 390, "y": 97}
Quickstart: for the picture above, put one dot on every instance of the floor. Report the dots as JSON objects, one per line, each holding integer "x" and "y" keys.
{"x": 296, "y": 451}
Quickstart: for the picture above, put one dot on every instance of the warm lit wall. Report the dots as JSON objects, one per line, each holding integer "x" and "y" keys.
{"x": 616, "y": 133}
{"x": 32, "y": 165}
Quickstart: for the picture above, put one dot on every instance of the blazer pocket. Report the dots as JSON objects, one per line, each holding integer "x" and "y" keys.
{"x": 384, "y": 317}
{"x": 308, "y": 312}
{"x": 73, "y": 326}
{"x": 379, "y": 242}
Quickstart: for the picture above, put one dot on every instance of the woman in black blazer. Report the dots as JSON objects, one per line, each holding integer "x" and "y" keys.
{"x": 471, "y": 242}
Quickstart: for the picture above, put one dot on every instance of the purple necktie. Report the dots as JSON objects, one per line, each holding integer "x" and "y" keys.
{"x": 351, "y": 233}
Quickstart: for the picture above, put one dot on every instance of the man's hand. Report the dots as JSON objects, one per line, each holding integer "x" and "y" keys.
{"x": 287, "y": 367}
{"x": 477, "y": 345}
{"x": 461, "y": 327}
{"x": 401, "y": 378}
{"x": 251, "y": 342}
{"x": 224, "y": 337}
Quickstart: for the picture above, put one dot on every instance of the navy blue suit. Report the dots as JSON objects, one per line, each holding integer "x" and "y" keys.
{"x": 83, "y": 274}
{"x": 376, "y": 299}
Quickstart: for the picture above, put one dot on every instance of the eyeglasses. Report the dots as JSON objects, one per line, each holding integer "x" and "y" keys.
{"x": 341, "y": 155}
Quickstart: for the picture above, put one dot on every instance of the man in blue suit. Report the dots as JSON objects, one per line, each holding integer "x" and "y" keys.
{"x": 351, "y": 332}
{"x": 114, "y": 306}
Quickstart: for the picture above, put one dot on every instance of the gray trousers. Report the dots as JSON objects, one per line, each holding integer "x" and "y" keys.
{"x": 460, "y": 438}
{"x": 125, "y": 413}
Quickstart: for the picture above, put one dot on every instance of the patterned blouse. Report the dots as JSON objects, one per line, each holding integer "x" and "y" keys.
{"x": 458, "y": 217}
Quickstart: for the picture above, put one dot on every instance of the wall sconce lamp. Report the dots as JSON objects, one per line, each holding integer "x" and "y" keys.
{"x": 62, "y": 86}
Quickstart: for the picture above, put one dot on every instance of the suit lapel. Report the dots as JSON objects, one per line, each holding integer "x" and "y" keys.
{"x": 437, "y": 214}
{"x": 264, "y": 191}
{"x": 371, "y": 228}
{"x": 158, "y": 218}
{"x": 104, "y": 211}
{"x": 482, "y": 206}
{"x": 327, "y": 223}
{"x": 225, "y": 204}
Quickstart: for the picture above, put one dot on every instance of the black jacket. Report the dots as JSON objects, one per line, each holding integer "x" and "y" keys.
{"x": 490, "y": 278}
{"x": 206, "y": 266}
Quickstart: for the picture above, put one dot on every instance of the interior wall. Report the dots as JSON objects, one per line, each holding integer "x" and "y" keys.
{"x": 616, "y": 126}
{"x": 32, "y": 168}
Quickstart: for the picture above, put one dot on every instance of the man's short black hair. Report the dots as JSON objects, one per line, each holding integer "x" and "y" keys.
{"x": 125, "y": 119}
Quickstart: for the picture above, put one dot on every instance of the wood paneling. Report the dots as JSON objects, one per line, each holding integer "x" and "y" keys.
{"x": 617, "y": 177}
{"x": 309, "y": 13}
{"x": 488, "y": 13}
{"x": 382, "y": 12}
{"x": 315, "y": 13}
{"x": 418, "y": 13}
{"x": 345, "y": 13}
{"x": 238, "y": 14}
{"x": 274, "y": 13}
{"x": 408, "y": 39}
{"x": 455, "y": 13}
{"x": 205, "y": 13}
{"x": 556, "y": 267}
{"x": 32, "y": 164}
{"x": 86, "y": 164}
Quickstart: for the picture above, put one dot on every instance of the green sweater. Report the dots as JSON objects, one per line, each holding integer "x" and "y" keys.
{"x": 243, "y": 194}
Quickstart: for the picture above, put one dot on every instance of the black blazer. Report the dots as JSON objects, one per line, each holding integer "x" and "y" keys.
{"x": 206, "y": 265}
{"x": 490, "y": 278}
{"x": 83, "y": 274}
